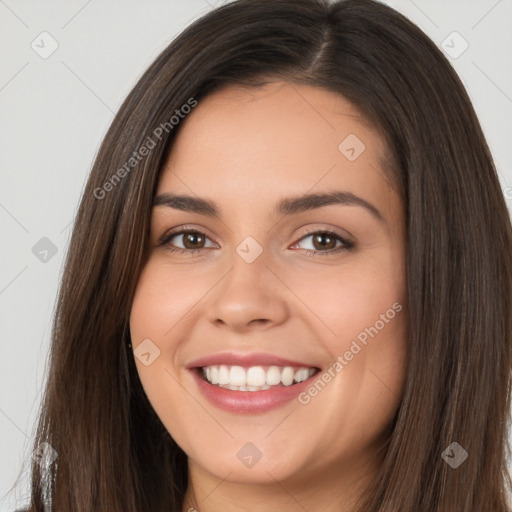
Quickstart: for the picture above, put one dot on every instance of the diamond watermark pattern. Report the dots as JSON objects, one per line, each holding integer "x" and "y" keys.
{"x": 249, "y": 455}
{"x": 454, "y": 455}
{"x": 44, "y": 455}
{"x": 44, "y": 250}
{"x": 454, "y": 45}
{"x": 44, "y": 45}
{"x": 146, "y": 352}
{"x": 351, "y": 147}
{"x": 249, "y": 249}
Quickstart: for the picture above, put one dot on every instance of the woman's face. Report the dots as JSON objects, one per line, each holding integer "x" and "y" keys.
{"x": 260, "y": 277}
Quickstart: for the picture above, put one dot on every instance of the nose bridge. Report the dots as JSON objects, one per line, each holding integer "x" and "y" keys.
{"x": 249, "y": 264}
{"x": 249, "y": 291}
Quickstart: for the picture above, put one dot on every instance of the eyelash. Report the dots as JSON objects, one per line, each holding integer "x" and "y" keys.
{"x": 347, "y": 246}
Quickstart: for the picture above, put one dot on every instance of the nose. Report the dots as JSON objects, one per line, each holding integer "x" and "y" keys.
{"x": 248, "y": 297}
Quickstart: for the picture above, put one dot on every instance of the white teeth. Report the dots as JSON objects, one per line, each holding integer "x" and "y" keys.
{"x": 273, "y": 376}
{"x": 287, "y": 376}
{"x": 237, "y": 376}
{"x": 223, "y": 375}
{"x": 301, "y": 375}
{"x": 255, "y": 378}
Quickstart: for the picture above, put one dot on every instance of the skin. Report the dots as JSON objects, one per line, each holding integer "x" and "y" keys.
{"x": 246, "y": 149}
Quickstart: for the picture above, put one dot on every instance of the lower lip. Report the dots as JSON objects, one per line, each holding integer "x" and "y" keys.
{"x": 249, "y": 402}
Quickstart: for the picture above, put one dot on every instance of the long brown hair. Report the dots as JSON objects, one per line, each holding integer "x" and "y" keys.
{"x": 114, "y": 454}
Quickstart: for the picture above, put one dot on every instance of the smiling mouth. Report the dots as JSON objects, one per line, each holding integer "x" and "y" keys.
{"x": 254, "y": 378}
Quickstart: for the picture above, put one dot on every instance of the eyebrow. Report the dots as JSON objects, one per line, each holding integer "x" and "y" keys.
{"x": 287, "y": 206}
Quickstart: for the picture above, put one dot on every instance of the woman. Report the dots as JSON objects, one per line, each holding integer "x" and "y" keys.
{"x": 203, "y": 357}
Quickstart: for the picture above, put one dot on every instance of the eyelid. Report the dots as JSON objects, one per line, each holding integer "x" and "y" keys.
{"x": 335, "y": 231}
{"x": 346, "y": 243}
{"x": 179, "y": 230}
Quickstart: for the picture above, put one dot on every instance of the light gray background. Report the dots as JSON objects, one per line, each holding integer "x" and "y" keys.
{"x": 56, "y": 110}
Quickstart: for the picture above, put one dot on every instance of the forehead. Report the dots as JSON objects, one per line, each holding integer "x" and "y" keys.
{"x": 249, "y": 143}
{"x": 296, "y": 113}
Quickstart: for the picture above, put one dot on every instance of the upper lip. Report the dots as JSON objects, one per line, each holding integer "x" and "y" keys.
{"x": 253, "y": 359}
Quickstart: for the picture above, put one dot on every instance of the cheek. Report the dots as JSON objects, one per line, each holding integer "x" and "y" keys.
{"x": 343, "y": 302}
{"x": 160, "y": 302}
{"x": 359, "y": 314}
{"x": 164, "y": 306}
{"x": 163, "y": 297}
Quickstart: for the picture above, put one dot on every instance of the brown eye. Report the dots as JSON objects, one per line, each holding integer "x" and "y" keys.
{"x": 193, "y": 240}
{"x": 324, "y": 241}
